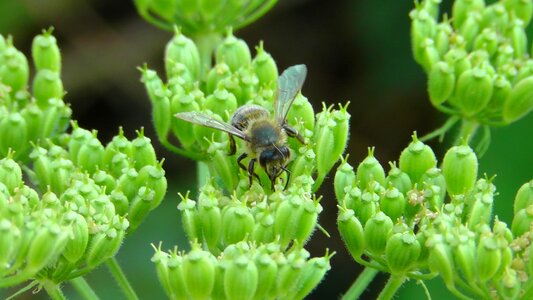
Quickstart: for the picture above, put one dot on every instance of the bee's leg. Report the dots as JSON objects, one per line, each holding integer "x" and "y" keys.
{"x": 251, "y": 173}
{"x": 288, "y": 177}
{"x": 232, "y": 146}
{"x": 240, "y": 158}
{"x": 294, "y": 133}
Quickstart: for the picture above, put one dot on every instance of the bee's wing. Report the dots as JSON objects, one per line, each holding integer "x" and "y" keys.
{"x": 289, "y": 84}
{"x": 208, "y": 121}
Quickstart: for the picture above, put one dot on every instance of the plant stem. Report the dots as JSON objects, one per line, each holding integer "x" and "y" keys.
{"x": 206, "y": 43}
{"x": 392, "y": 286}
{"x": 83, "y": 288}
{"x": 23, "y": 290}
{"x": 202, "y": 171}
{"x": 360, "y": 284}
{"x": 120, "y": 277}
{"x": 468, "y": 130}
{"x": 53, "y": 290}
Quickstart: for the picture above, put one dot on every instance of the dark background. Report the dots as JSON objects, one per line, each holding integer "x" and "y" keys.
{"x": 357, "y": 51}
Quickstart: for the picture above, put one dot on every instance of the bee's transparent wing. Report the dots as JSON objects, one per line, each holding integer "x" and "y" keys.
{"x": 208, "y": 121}
{"x": 289, "y": 84}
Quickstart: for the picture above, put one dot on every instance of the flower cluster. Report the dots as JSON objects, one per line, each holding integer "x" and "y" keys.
{"x": 201, "y": 16}
{"x": 478, "y": 64}
{"x": 25, "y": 117}
{"x": 66, "y": 200}
{"x": 402, "y": 223}
{"x": 235, "y": 80}
{"x": 243, "y": 271}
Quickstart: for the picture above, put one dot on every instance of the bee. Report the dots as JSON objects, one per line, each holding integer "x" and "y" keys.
{"x": 266, "y": 138}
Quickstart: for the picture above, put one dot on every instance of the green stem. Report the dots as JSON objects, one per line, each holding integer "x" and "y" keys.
{"x": 83, "y": 288}
{"x": 206, "y": 43}
{"x": 360, "y": 284}
{"x": 256, "y": 14}
{"x": 392, "y": 286}
{"x": 23, "y": 290}
{"x": 53, "y": 290}
{"x": 202, "y": 171}
{"x": 468, "y": 130}
{"x": 120, "y": 277}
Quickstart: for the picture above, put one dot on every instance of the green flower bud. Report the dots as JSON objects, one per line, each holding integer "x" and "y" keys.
{"x": 440, "y": 259}
{"x": 46, "y": 85}
{"x": 464, "y": 253}
{"x": 143, "y": 153}
{"x": 488, "y": 258}
{"x": 46, "y": 246}
{"x": 416, "y": 159}
{"x": 307, "y": 221}
{"x": 176, "y": 279}
{"x": 502, "y": 89}
{"x": 103, "y": 245}
{"x": 153, "y": 177}
{"x": 267, "y": 270}
{"x": 423, "y": 26}
{"x": 518, "y": 38}
{"x": 118, "y": 164}
{"x": 365, "y": 204}
{"x": 199, "y": 273}
{"x": 344, "y": 179}
{"x": 45, "y": 52}
{"x": 237, "y": 223}
{"x": 14, "y": 71}
{"x": 41, "y": 166}
{"x": 13, "y": 134}
{"x": 180, "y": 71}
{"x": 78, "y": 138}
{"x": 221, "y": 102}
{"x": 459, "y": 167}
{"x": 10, "y": 173}
{"x": 161, "y": 114}
{"x": 370, "y": 170}
{"x": 234, "y": 52}
{"x": 520, "y": 100}
{"x": 10, "y": 237}
{"x": 141, "y": 205}
{"x": 249, "y": 85}
{"x": 473, "y": 91}
{"x": 290, "y": 271}
{"x": 523, "y": 198}
{"x": 160, "y": 259}
{"x": 495, "y": 17}
{"x": 120, "y": 201}
{"x": 90, "y": 155}
{"x": 469, "y": 29}
{"x": 461, "y": 9}
{"x": 181, "y": 49}
{"x": 402, "y": 252}
{"x": 265, "y": 67}
{"x": 33, "y": 116}
{"x": 55, "y": 118}
{"x": 60, "y": 173}
{"x": 441, "y": 83}
{"x": 511, "y": 284}
{"x": 286, "y": 220}
{"x": 487, "y": 40}
{"x": 302, "y": 111}
{"x": 429, "y": 54}
{"x": 128, "y": 183}
{"x": 304, "y": 163}
{"x": 522, "y": 221}
{"x": 221, "y": 166}
{"x": 434, "y": 180}
{"x": 481, "y": 210}
{"x": 264, "y": 227}
{"x": 218, "y": 73}
{"x": 204, "y": 135}
{"x": 392, "y": 203}
{"x": 183, "y": 130}
{"x": 506, "y": 261}
{"x": 240, "y": 278}
{"x": 232, "y": 84}
{"x": 210, "y": 220}
{"x": 312, "y": 274}
{"x": 521, "y": 9}
{"x": 377, "y": 231}
{"x": 398, "y": 179}
{"x": 189, "y": 218}
{"x": 77, "y": 243}
{"x": 442, "y": 37}
{"x": 104, "y": 179}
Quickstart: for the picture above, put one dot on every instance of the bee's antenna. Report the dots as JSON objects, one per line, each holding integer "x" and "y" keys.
{"x": 278, "y": 150}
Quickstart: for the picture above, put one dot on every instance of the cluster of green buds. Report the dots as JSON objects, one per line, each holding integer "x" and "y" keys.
{"x": 242, "y": 271}
{"x": 28, "y": 117}
{"x": 403, "y": 223}
{"x": 87, "y": 198}
{"x": 478, "y": 64}
{"x": 235, "y": 80}
{"x": 202, "y": 16}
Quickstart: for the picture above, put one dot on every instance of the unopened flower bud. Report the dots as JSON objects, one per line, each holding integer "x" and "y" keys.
{"x": 289, "y": 272}
{"x": 104, "y": 245}
{"x": 461, "y": 9}
{"x": 398, "y": 179}
{"x": 302, "y": 111}
{"x": 46, "y": 85}
{"x": 13, "y": 134}
{"x": 199, "y": 272}
{"x": 219, "y": 72}
{"x": 370, "y": 170}
{"x": 10, "y": 173}
{"x": 267, "y": 270}
{"x": 237, "y": 223}
{"x": 140, "y": 206}
{"x": 234, "y": 52}
{"x": 14, "y": 71}
{"x": 240, "y": 278}
{"x": 143, "y": 153}
{"x": 423, "y": 26}
{"x": 487, "y": 40}
{"x": 440, "y": 259}
{"x": 470, "y": 28}
{"x": 344, "y": 178}
{"x": 441, "y": 83}
{"x": 524, "y": 196}
{"x": 518, "y": 38}
{"x": 522, "y": 221}
{"x": 221, "y": 102}
{"x": 520, "y": 100}
{"x": 181, "y": 49}
{"x": 307, "y": 221}
{"x": 183, "y": 130}
{"x": 416, "y": 159}
{"x": 45, "y": 52}
{"x": 377, "y": 231}
{"x": 473, "y": 91}
{"x": 77, "y": 243}
{"x": 78, "y": 138}
{"x": 312, "y": 274}
{"x": 442, "y": 37}
{"x": 286, "y": 218}
{"x": 210, "y": 220}
{"x": 265, "y": 67}
{"x": 402, "y": 252}
{"x": 459, "y": 167}
{"x": 488, "y": 258}
{"x": 47, "y": 244}
{"x": 90, "y": 155}
{"x": 521, "y": 9}
{"x": 189, "y": 218}
{"x": 392, "y": 203}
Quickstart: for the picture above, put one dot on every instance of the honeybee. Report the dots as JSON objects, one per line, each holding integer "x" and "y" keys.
{"x": 266, "y": 138}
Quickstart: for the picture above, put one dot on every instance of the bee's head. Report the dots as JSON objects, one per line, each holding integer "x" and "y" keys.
{"x": 273, "y": 159}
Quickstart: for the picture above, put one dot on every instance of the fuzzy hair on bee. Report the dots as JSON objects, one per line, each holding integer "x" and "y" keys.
{"x": 265, "y": 137}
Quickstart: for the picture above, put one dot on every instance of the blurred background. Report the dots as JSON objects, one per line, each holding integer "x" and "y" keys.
{"x": 357, "y": 51}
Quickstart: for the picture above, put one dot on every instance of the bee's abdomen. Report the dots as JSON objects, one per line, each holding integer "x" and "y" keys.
{"x": 245, "y": 114}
